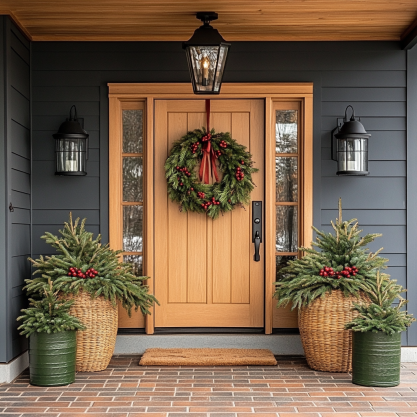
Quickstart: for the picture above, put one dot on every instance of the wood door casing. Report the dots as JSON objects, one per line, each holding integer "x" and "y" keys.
{"x": 205, "y": 275}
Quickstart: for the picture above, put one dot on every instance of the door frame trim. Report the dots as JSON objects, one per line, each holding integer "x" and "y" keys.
{"x": 270, "y": 92}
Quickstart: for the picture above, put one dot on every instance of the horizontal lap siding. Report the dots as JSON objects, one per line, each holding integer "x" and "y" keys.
{"x": 371, "y": 76}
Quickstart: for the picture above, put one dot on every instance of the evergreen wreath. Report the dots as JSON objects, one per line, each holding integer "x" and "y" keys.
{"x": 184, "y": 186}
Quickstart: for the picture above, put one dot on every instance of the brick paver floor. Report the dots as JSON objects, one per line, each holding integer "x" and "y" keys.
{"x": 289, "y": 389}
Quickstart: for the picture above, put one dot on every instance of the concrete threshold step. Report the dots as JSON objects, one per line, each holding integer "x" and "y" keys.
{"x": 279, "y": 344}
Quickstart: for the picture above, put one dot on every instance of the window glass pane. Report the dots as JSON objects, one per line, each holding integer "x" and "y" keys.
{"x": 281, "y": 262}
{"x": 136, "y": 261}
{"x": 286, "y": 179}
{"x": 286, "y": 131}
{"x": 132, "y": 131}
{"x": 132, "y": 179}
{"x": 287, "y": 229}
{"x": 132, "y": 228}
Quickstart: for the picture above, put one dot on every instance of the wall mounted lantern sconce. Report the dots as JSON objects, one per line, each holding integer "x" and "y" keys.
{"x": 71, "y": 147}
{"x": 206, "y": 55}
{"x": 351, "y": 150}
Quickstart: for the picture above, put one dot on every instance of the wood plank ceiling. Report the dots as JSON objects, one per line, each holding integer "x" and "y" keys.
{"x": 239, "y": 20}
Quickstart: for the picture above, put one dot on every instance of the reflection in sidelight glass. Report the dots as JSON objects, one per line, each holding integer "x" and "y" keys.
{"x": 132, "y": 179}
{"x": 133, "y": 228}
{"x": 136, "y": 261}
{"x": 287, "y": 229}
{"x": 282, "y": 262}
{"x": 286, "y": 131}
{"x": 132, "y": 131}
{"x": 286, "y": 179}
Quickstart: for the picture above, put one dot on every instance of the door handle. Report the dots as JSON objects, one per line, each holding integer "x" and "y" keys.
{"x": 257, "y": 257}
{"x": 257, "y": 228}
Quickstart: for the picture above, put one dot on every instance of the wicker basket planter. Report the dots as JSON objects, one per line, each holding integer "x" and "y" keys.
{"x": 95, "y": 345}
{"x": 327, "y": 346}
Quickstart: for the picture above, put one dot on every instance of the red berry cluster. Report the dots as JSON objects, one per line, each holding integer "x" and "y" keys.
{"x": 75, "y": 272}
{"x": 206, "y": 205}
{"x": 184, "y": 171}
{"x": 200, "y": 194}
{"x": 217, "y": 153}
{"x": 206, "y": 138}
{"x": 214, "y": 202}
{"x": 194, "y": 147}
{"x": 223, "y": 144}
{"x": 239, "y": 174}
{"x": 347, "y": 272}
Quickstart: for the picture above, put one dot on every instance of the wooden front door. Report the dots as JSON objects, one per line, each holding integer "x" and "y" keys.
{"x": 205, "y": 274}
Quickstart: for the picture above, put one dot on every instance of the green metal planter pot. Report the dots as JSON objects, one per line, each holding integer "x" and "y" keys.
{"x": 52, "y": 358}
{"x": 376, "y": 359}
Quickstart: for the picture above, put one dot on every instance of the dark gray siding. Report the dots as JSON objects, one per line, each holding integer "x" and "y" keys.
{"x": 16, "y": 169}
{"x": 370, "y": 75}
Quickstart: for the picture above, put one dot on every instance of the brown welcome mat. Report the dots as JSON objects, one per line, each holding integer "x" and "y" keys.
{"x": 207, "y": 357}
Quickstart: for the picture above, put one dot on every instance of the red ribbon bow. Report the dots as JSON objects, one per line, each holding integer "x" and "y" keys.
{"x": 209, "y": 156}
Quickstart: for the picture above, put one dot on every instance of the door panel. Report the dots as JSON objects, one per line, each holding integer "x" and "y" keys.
{"x": 205, "y": 275}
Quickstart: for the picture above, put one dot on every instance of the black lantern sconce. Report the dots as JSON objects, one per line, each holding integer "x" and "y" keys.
{"x": 351, "y": 150}
{"x": 206, "y": 55}
{"x": 71, "y": 147}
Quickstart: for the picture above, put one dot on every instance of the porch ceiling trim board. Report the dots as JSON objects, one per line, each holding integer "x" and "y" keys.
{"x": 409, "y": 37}
{"x": 240, "y": 20}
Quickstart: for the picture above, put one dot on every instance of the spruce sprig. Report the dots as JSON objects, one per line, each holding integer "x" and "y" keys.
{"x": 381, "y": 315}
{"x": 49, "y": 314}
{"x": 300, "y": 282}
{"x": 77, "y": 248}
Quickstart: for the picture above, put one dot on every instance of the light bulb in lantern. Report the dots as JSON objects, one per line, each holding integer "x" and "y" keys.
{"x": 71, "y": 165}
{"x": 205, "y": 64}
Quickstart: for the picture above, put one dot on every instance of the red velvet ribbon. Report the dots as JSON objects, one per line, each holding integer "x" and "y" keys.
{"x": 209, "y": 156}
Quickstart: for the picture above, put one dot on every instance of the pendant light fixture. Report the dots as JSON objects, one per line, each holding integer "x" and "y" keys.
{"x": 351, "y": 150}
{"x": 206, "y": 55}
{"x": 71, "y": 147}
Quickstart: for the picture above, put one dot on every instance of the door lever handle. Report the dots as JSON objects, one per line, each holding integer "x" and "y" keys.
{"x": 257, "y": 257}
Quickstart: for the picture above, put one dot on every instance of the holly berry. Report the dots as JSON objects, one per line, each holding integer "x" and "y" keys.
{"x": 206, "y": 138}
{"x": 200, "y": 194}
{"x": 191, "y": 189}
{"x": 242, "y": 162}
{"x": 223, "y": 144}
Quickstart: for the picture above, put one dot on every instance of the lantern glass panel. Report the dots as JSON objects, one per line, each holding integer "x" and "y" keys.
{"x": 352, "y": 154}
{"x": 71, "y": 155}
{"x": 208, "y": 66}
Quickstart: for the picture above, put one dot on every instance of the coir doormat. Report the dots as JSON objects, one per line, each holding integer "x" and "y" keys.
{"x": 207, "y": 357}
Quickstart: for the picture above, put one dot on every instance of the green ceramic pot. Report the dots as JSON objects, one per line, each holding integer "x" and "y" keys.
{"x": 52, "y": 358}
{"x": 376, "y": 359}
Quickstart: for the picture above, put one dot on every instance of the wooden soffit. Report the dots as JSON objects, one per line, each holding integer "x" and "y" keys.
{"x": 239, "y": 20}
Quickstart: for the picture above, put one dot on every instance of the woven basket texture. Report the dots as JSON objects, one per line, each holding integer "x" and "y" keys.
{"x": 327, "y": 345}
{"x": 95, "y": 345}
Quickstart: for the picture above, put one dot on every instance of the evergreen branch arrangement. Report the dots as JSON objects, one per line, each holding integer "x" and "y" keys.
{"x": 192, "y": 195}
{"x": 84, "y": 264}
{"x": 380, "y": 315}
{"x": 48, "y": 315}
{"x": 342, "y": 261}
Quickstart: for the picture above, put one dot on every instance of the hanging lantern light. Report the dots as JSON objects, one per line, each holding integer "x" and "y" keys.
{"x": 351, "y": 150}
{"x": 71, "y": 147}
{"x": 206, "y": 55}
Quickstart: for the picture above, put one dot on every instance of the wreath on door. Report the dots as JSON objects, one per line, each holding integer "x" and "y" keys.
{"x": 193, "y": 191}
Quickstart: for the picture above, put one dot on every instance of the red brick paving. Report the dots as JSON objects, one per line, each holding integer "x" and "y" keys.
{"x": 289, "y": 389}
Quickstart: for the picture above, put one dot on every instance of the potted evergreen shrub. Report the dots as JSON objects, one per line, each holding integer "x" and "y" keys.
{"x": 376, "y": 345}
{"x": 52, "y": 343}
{"x": 323, "y": 284}
{"x": 92, "y": 275}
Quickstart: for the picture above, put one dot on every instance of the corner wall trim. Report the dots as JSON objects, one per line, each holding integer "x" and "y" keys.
{"x": 9, "y": 371}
